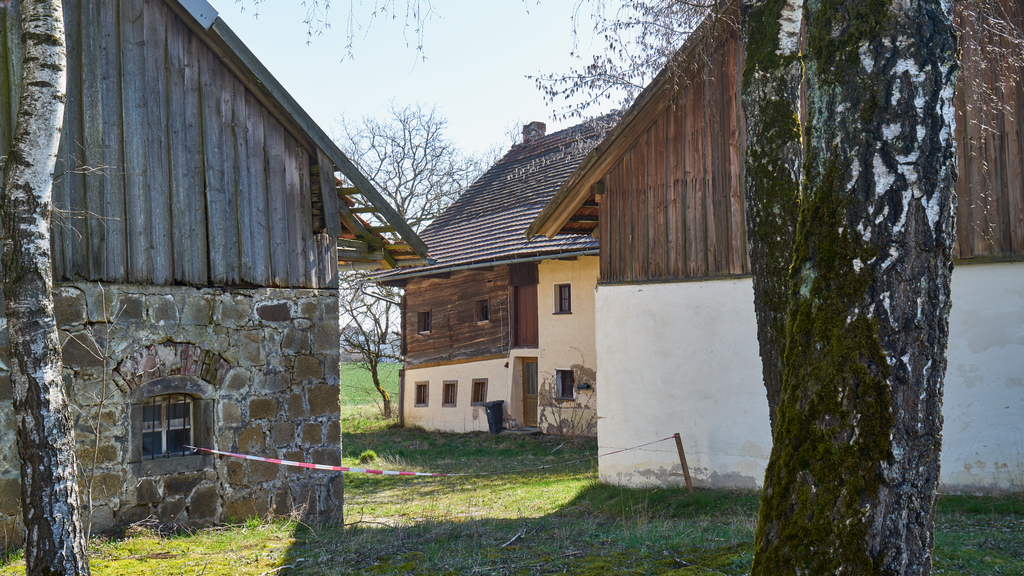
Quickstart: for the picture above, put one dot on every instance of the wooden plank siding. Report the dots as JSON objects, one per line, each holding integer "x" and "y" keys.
{"x": 989, "y": 105}
{"x": 673, "y": 203}
{"x": 455, "y": 334}
{"x": 171, "y": 170}
{"x": 672, "y": 207}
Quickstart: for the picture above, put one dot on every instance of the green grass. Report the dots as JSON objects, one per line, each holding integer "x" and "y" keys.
{"x": 536, "y": 509}
{"x": 357, "y": 387}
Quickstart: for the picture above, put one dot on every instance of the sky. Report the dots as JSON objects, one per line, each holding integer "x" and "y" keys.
{"x": 473, "y": 66}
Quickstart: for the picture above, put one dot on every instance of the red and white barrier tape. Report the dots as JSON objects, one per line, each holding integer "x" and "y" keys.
{"x": 318, "y": 466}
{"x": 396, "y": 473}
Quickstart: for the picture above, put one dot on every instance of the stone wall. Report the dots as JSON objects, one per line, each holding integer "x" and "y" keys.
{"x": 261, "y": 367}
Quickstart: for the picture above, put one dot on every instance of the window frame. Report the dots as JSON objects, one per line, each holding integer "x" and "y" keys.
{"x": 165, "y": 425}
{"x": 559, "y": 300}
{"x": 482, "y": 383}
{"x": 560, "y": 384}
{"x": 203, "y": 398}
{"x": 482, "y": 310}
{"x": 424, "y": 322}
{"x": 425, "y": 397}
{"x": 449, "y": 393}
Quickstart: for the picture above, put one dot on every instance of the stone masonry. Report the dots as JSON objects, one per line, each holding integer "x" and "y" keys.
{"x": 261, "y": 366}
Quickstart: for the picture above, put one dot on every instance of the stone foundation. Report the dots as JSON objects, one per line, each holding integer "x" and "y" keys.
{"x": 260, "y": 367}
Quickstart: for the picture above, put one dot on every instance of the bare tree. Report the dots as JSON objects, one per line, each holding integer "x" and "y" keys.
{"x": 410, "y": 160}
{"x": 639, "y": 36}
{"x": 55, "y": 542}
{"x": 373, "y": 333}
{"x": 421, "y": 172}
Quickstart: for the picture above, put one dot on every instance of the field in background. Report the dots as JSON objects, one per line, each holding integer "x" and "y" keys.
{"x": 527, "y": 505}
{"x": 357, "y": 387}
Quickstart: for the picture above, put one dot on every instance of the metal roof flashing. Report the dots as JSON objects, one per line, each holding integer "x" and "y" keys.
{"x": 201, "y": 11}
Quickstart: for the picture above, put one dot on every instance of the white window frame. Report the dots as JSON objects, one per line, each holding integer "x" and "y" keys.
{"x": 164, "y": 424}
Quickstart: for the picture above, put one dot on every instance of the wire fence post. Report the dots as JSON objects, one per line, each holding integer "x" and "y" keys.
{"x": 682, "y": 460}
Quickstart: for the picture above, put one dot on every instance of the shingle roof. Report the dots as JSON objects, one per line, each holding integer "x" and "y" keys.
{"x": 488, "y": 221}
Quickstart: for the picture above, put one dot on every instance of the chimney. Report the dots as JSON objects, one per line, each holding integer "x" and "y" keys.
{"x": 533, "y": 131}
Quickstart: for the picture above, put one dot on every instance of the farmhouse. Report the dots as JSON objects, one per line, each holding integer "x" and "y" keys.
{"x": 195, "y": 261}
{"x": 675, "y": 327}
{"x": 500, "y": 318}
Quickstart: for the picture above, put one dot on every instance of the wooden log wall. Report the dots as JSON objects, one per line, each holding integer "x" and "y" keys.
{"x": 170, "y": 170}
{"x": 673, "y": 204}
{"x": 455, "y": 334}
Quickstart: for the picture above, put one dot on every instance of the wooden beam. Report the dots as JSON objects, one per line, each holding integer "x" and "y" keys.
{"x": 348, "y": 191}
{"x": 332, "y": 217}
{"x": 584, "y": 218}
{"x": 363, "y": 210}
{"x": 381, "y": 229}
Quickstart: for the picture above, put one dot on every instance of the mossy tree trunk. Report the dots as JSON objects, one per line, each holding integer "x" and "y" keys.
{"x": 772, "y": 77}
{"x": 850, "y": 485}
{"x": 55, "y": 542}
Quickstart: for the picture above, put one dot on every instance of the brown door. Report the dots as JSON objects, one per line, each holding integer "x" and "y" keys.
{"x": 524, "y": 332}
{"x": 529, "y": 392}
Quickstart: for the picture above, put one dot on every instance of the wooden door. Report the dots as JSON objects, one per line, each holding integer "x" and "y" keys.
{"x": 529, "y": 392}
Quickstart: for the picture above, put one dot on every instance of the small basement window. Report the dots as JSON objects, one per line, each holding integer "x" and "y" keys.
{"x": 483, "y": 311}
{"x": 422, "y": 389}
{"x": 563, "y": 298}
{"x": 166, "y": 426}
{"x": 449, "y": 393}
{"x": 423, "y": 322}
{"x": 565, "y": 384}
{"x": 479, "y": 391}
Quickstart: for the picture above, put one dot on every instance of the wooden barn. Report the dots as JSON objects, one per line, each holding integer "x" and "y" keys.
{"x": 199, "y": 214}
{"x": 496, "y": 317}
{"x": 674, "y": 311}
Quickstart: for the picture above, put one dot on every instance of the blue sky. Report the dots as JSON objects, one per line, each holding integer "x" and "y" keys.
{"x": 477, "y": 54}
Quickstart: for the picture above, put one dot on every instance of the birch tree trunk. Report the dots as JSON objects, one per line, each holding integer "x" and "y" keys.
{"x": 850, "y": 485}
{"x": 55, "y": 542}
{"x": 772, "y": 78}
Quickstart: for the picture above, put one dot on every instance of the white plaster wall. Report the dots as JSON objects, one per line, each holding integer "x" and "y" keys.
{"x": 567, "y": 343}
{"x": 682, "y": 357}
{"x": 463, "y": 417}
{"x": 983, "y": 403}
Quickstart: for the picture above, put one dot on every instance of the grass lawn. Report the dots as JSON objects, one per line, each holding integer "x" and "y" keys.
{"x": 537, "y": 509}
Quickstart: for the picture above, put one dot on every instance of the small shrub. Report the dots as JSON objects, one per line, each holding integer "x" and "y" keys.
{"x": 367, "y": 457}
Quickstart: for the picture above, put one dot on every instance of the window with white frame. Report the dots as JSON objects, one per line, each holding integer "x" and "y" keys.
{"x": 167, "y": 426}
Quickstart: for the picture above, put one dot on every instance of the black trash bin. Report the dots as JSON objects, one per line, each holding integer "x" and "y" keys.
{"x": 495, "y": 415}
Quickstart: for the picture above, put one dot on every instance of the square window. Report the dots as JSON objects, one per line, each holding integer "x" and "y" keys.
{"x": 479, "y": 391}
{"x": 421, "y": 393}
{"x": 166, "y": 426}
{"x": 423, "y": 322}
{"x": 563, "y": 298}
{"x": 448, "y": 393}
{"x": 565, "y": 382}
{"x": 483, "y": 311}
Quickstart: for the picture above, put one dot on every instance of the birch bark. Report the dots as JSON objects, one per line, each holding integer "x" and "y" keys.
{"x": 773, "y": 159}
{"x": 850, "y": 485}
{"x": 54, "y": 542}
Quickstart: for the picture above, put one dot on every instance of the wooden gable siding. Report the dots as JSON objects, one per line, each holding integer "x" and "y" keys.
{"x": 455, "y": 334}
{"x": 672, "y": 206}
{"x": 673, "y": 201}
{"x": 990, "y": 144}
{"x": 170, "y": 170}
